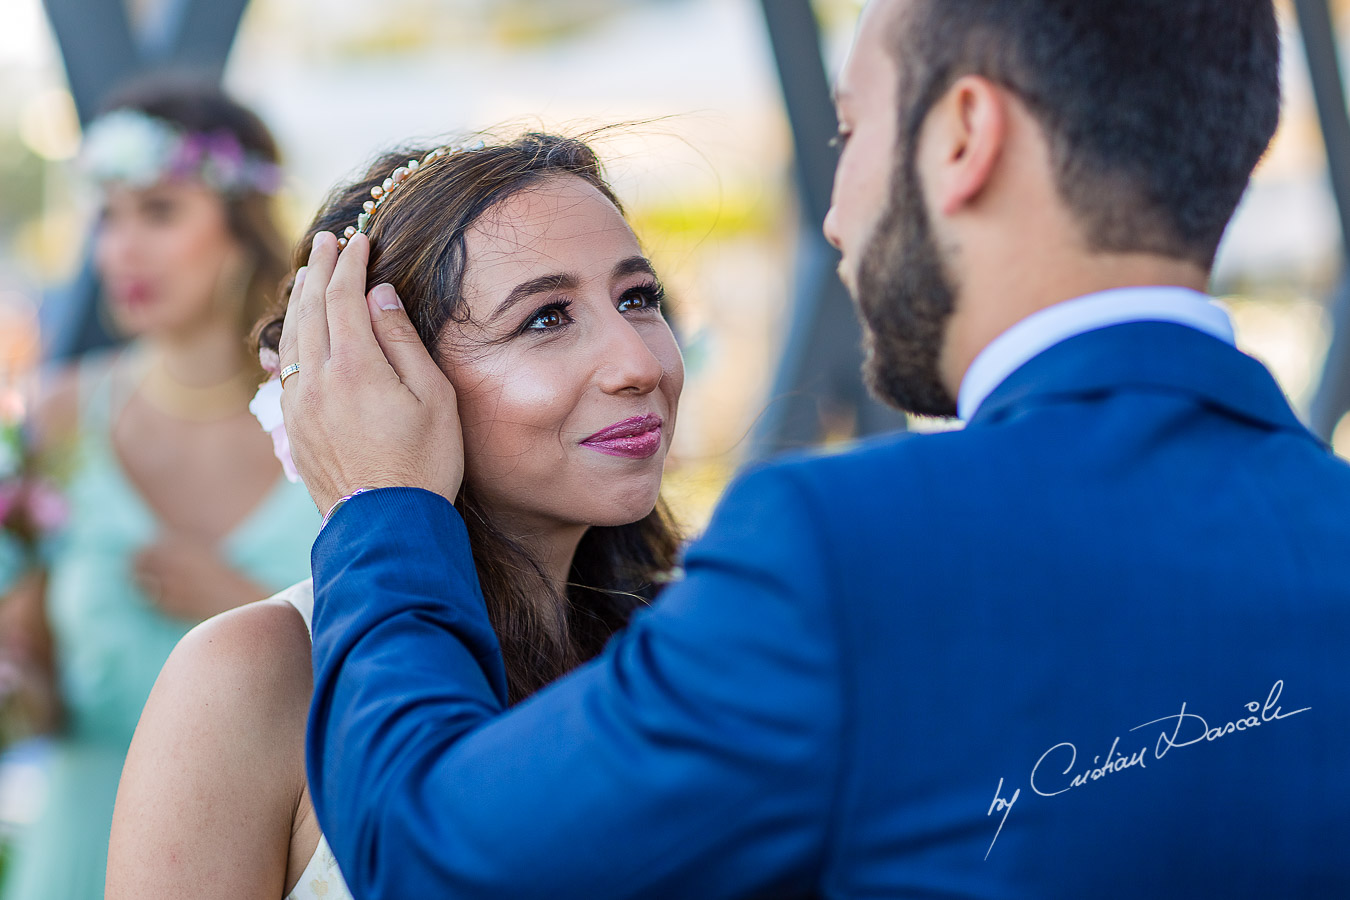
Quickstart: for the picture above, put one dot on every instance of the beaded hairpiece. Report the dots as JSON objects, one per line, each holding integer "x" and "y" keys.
{"x": 382, "y": 192}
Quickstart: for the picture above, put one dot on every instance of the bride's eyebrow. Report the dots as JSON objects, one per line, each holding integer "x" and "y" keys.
{"x": 544, "y": 284}
{"x": 564, "y": 281}
{"x": 633, "y": 265}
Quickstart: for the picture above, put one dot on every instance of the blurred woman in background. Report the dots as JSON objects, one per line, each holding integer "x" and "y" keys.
{"x": 568, "y": 533}
{"x": 178, "y": 507}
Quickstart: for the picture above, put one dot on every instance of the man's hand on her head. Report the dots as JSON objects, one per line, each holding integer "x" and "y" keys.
{"x": 368, "y": 407}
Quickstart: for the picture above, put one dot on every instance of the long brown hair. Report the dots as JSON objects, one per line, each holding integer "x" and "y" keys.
{"x": 417, "y": 245}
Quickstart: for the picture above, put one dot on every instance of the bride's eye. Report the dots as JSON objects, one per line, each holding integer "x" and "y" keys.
{"x": 549, "y": 317}
{"x": 645, "y": 296}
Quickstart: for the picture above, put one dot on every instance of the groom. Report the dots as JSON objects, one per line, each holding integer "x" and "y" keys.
{"x": 1095, "y": 645}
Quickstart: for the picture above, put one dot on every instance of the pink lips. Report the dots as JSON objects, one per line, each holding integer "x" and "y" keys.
{"x": 635, "y": 438}
{"x": 132, "y": 293}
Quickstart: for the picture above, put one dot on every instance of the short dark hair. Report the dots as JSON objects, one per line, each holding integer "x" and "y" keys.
{"x": 1156, "y": 111}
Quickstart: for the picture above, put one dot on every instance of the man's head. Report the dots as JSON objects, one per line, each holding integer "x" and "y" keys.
{"x": 999, "y": 145}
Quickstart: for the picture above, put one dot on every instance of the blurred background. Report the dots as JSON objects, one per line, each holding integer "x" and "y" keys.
{"x": 722, "y": 167}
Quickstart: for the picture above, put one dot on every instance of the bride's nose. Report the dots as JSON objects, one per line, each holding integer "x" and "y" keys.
{"x": 624, "y": 360}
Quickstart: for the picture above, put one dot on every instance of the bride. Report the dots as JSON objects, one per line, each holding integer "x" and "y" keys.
{"x": 525, "y": 282}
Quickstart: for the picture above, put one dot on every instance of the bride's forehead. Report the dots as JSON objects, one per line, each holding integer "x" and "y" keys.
{"x": 553, "y": 226}
{"x": 554, "y": 207}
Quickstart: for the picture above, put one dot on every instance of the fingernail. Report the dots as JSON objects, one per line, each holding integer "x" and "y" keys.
{"x": 300, "y": 274}
{"x": 386, "y": 297}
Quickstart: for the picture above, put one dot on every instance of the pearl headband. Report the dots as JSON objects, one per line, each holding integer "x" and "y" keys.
{"x": 382, "y": 192}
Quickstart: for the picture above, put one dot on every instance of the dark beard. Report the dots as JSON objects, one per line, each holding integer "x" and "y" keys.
{"x": 906, "y": 301}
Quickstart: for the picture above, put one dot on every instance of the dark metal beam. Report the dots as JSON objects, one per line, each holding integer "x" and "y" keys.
{"x": 795, "y": 37}
{"x": 101, "y": 51}
{"x": 1319, "y": 40}
{"x": 1324, "y": 65}
{"x": 205, "y": 33}
{"x": 819, "y": 375}
{"x": 96, "y": 47}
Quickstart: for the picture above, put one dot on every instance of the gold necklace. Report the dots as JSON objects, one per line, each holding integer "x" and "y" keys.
{"x": 196, "y": 404}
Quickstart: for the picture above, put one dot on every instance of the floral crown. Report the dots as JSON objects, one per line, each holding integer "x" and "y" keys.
{"x": 399, "y": 177}
{"x": 137, "y": 149}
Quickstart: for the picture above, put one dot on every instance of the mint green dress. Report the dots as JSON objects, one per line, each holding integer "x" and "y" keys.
{"x": 111, "y": 641}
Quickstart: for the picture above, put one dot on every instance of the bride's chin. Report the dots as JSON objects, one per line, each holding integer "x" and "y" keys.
{"x": 626, "y": 511}
{"x": 618, "y": 521}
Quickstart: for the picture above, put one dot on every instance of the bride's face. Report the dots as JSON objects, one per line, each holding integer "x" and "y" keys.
{"x": 568, "y": 376}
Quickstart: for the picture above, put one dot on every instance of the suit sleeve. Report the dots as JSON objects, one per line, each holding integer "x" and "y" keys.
{"x": 696, "y": 757}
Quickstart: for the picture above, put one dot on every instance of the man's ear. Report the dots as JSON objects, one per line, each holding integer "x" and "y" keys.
{"x": 965, "y": 135}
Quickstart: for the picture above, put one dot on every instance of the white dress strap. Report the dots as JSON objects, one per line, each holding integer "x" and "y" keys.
{"x": 321, "y": 879}
{"x": 301, "y": 596}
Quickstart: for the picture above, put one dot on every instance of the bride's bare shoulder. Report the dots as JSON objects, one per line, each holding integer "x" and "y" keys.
{"x": 250, "y": 661}
{"x": 216, "y": 772}
{"x": 237, "y": 684}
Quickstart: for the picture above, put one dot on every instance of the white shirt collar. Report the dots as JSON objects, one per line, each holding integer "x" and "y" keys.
{"x": 1048, "y": 327}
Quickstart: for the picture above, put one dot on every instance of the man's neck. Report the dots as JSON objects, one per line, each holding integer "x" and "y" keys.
{"x": 989, "y": 303}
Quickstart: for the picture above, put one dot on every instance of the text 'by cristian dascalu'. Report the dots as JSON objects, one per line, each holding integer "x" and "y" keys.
{"x": 1051, "y": 774}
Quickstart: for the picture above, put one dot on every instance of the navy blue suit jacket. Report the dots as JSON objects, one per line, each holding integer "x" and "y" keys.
{"x": 1095, "y": 645}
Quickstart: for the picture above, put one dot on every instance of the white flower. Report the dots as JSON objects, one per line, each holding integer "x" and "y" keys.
{"x": 266, "y": 408}
{"x": 129, "y": 146}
